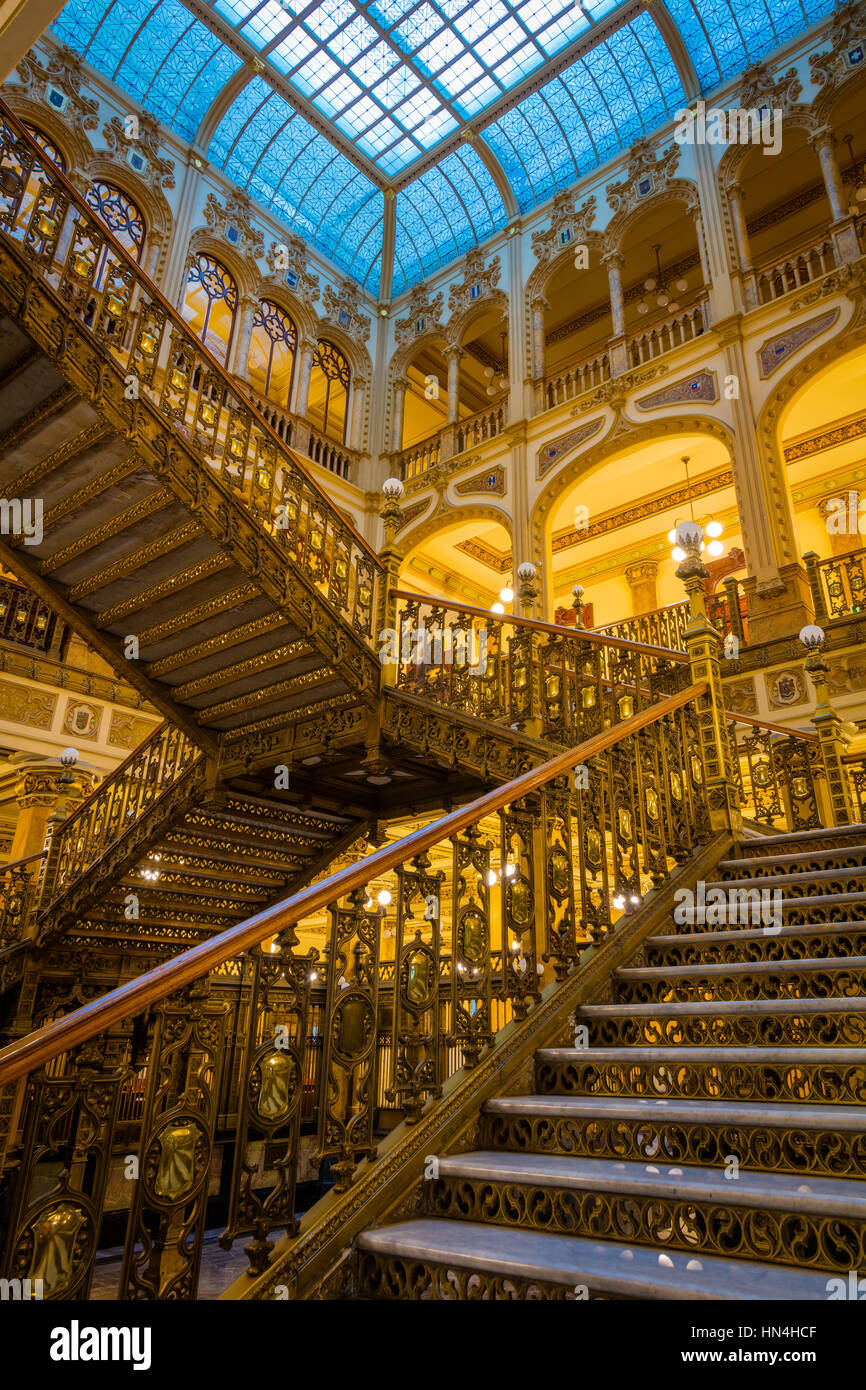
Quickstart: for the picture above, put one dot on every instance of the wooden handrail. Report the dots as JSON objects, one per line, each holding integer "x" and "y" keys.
{"x": 138, "y": 275}
{"x": 584, "y": 633}
{"x": 19, "y": 863}
{"x": 773, "y": 728}
{"x": 130, "y": 999}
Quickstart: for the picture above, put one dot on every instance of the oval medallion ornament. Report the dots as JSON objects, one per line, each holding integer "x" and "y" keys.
{"x": 800, "y": 788}
{"x": 418, "y": 978}
{"x": 676, "y": 786}
{"x": 273, "y": 1086}
{"x": 623, "y": 822}
{"x": 762, "y": 775}
{"x": 593, "y": 847}
{"x": 175, "y": 1162}
{"x": 61, "y": 1238}
{"x": 353, "y": 1026}
{"x": 558, "y": 866}
{"x": 519, "y": 901}
{"x": 473, "y": 937}
{"x": 651, "y": 798}
{"x": 697, "y": 770}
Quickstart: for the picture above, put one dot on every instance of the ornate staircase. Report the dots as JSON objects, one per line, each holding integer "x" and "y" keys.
{"x": 705, "y": 1140}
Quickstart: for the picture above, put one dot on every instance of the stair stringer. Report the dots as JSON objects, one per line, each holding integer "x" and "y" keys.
{"x": 318, "y": 1263}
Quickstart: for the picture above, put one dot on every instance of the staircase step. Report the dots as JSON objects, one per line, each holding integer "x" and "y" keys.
{"x": 507, "y": 1260}
{"x": 815, "y": 908}
{"x": 829, "y": 941}
{"x": 851, "y": 877}
{"x": 836, "y": 836}
{"x": 790, "y": 863}
{"x": 758, "y": 1023}
{"x": 816, "y": 978}
{"x": 825, "y": 1075}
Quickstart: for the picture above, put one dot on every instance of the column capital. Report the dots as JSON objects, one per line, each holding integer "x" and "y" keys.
{"x": 640, "y": 572}
{"x": 453, "y": 352}
{"x": 823, "y": 138}
{"x": 44, "y": 786}
{"x": 613, "y": 258}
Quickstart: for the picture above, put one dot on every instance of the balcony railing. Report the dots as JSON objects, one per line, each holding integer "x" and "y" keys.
{"x": 409, "y": 463}
{"x": 28, "y": 622}
{"x": 297, "y": 432}
{"x": 665, "y": 627}
{"x": 800, "y": 267}
{"x": 838, "y": 585}
{"x": 573, "y": 381}
{"x": 672, "y": 332}
{"x": 477, "y": 429}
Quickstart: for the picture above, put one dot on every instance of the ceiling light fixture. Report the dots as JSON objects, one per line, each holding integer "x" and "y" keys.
{"x": 497, "y": 377}
{"x": 713, "y": 528}
{"x": 656, "y": 284}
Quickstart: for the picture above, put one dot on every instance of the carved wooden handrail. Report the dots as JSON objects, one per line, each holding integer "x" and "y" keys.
{"x": 21, "y": 1057}
{"x": 806, "y": 734}
{"x": 180, "y": 324}
{"x": 555, "y": 629}
{"x": 20, "y": 863}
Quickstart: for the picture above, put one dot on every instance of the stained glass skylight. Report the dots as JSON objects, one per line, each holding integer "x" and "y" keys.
{"x": 398, "y": 76}
{"x": 724, "y": 36}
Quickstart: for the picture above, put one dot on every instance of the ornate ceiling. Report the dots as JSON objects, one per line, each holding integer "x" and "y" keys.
{"x": 416, "y": 128}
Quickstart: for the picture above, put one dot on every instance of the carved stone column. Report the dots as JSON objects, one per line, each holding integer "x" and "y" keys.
{"x": 839, "y": 513}
{"x": 401, "y": 386}
{"x": 359, "y": 396}
{"x": 240, "y": 350}
{"x": 823, "y": 141}
{"x": 453, "y": 355}
{"x": 618, "y": 354}
{"x": 307, "y": 351}
{"x": 641, "y": 579}
{"x": 37, "y": 794}
{"x": 537, "y": 309}
{"x": 734, "y": 191}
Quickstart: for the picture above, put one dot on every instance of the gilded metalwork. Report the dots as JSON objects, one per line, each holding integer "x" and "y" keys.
{"x": 416, "y": 1065}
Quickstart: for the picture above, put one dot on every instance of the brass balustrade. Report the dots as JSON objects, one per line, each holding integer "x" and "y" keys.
{"x": 28, "y": 622}
{"x": 838, "y": 584}
{"x": 665, "y": 627}
{"x": 18, "y": 886}
{"x": 72, "y": 251}
{"x": 554, "y": 682}
{"x": 490, "y": 899}
{"x": 114, "y": 808}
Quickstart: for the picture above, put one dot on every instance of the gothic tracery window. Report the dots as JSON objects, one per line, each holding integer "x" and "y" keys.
{"x": 329, "y": 391}
{"x": 273, "y": 348}
{"x": 120, "y": 215}
{"x": 210, "y": 304}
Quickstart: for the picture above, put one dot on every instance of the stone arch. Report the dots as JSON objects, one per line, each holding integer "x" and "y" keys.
{"x": 800, "y": 117}
{"x": 852, "y": 336}
{"x": 540, "y": 277}
{"x": 70, "y": 140}
{"x": 244, "y": 269}
{"x": 675, "y": 191}
{"x": 152, "y": 202}
{"x": 827, "y": 97}
{"x": 354, "y": 352}
{"x": 445, "y": 514}
{"x": 457, "y": 328}
{"x": 273, "y": 288}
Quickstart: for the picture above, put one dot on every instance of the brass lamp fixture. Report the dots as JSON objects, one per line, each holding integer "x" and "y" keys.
{"x": 713, "y": 529}
{"x": 657, "y": 286}
{"x": 497, "y": 377}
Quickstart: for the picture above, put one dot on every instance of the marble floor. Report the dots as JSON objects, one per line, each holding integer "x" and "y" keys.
{"x": 218, "y": 1268}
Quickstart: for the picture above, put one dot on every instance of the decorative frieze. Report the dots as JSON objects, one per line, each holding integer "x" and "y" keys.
{"x": 551, "y": 453}
{"x": 343, "y": 309}
{"x": 776, "y": 350}
{"x": 701, "y": 387}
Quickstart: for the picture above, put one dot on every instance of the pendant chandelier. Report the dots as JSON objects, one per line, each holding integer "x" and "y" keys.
{"x": 497, "y": 377}
{"x": 713, "y": 529}
{"x": 658, "y": 286}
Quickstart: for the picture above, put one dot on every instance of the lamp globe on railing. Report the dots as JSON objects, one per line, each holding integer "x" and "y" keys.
{"x": 392, "y": 490}
{"x": 69, "y": 757}
{"x": 526, "y": 572}
{"x": 689, "y": 538}
{"x": 812, "y": 637}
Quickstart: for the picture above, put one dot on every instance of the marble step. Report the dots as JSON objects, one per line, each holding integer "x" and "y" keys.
{"x": 833, "y": 1197}
{"x": 837, "y": 834}
{"x": 809, "y": 978}
{"x": 827, "y": 1140}
{"x": 828, "y": 940}
{"x": 818, "y": 1075}
{"x": 791, "y": 863}
{"x": 846, "y": 879}
{"x": 500, "y": 1255}
{"x": 758, "y": 1023}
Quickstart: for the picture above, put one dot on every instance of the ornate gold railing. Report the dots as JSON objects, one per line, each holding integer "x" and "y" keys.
{"x": 838, "y": 585}
{"x": 665, "y": 627}
{"x": 28, "y": 622}
{"x": 94, "y": 278}
{"x": 18, "y": 886}
{"x": 114, "y": 808}
{"x": 488, "y": 903}
{"x": 780, "y": 774}
{"x": 558, "y": 683}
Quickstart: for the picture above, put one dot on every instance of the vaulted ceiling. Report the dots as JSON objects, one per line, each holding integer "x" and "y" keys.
{"x": 406, "y": 131}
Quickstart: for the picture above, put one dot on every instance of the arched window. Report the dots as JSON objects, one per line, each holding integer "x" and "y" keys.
{"x": 120, "y": 215}
{"x": 47, "y": 145}
{"x": 329, "y": 391}
{"x": 35, "y": 180}
{"x": 210, "y": 303}
{"x": 273, "y": 348}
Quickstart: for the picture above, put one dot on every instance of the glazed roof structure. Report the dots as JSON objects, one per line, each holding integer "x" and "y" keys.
{"x": 462, "y": 113}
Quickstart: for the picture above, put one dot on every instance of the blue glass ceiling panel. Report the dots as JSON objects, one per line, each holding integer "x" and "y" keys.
{"x": 441, "y": 214}
{"x": 158, "y": 53}
{"x": 468, "y": 53}
{"x": 618, "y": 91}
{"x": 724, "y": 36}
{"x": 266, "y": 147}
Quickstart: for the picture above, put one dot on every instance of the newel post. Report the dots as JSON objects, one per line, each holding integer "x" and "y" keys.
{"x": 702, "y": 644}
{"x": 387, "y": 633}
{"x": 831, "y": 739}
